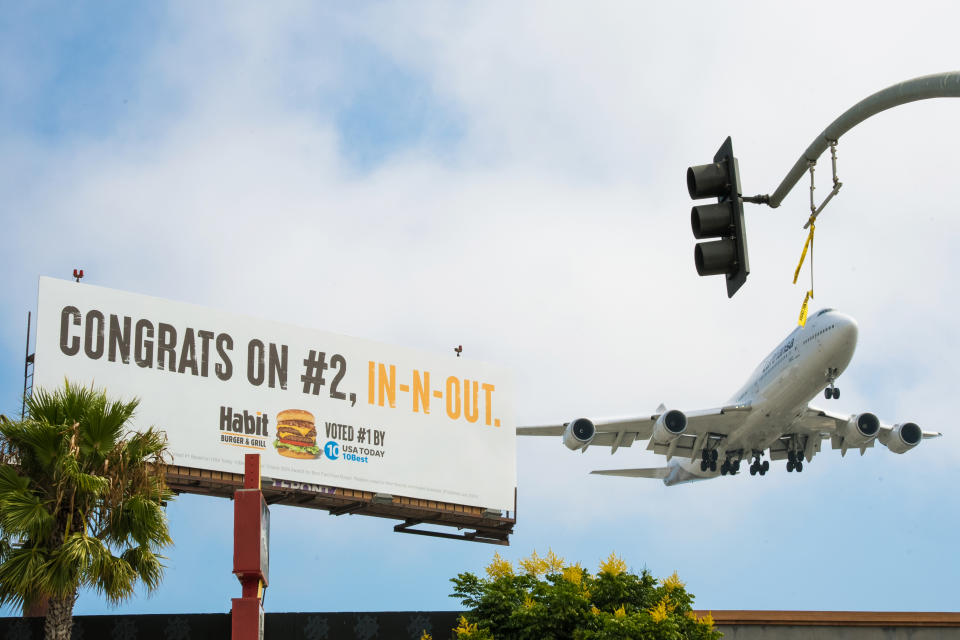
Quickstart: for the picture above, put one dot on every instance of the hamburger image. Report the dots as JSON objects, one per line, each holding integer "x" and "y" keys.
{"x": 296, "y": 435}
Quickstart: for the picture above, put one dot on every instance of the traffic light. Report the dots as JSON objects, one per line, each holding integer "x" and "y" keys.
{"x": 723, "y": 220}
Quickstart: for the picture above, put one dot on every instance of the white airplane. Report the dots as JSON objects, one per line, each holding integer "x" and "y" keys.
{"x": 768, "y": 414}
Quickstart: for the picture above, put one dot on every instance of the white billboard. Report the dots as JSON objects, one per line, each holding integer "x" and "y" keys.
{"x": 319, "y": 407}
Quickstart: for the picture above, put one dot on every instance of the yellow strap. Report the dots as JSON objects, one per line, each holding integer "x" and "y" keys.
{"x": 803, "y": 309}
{"x": 806, "y": 245}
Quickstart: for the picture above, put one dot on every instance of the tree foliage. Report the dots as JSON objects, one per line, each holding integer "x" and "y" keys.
{"x": 546, "y": 599}
{"x": 81, "y": 503}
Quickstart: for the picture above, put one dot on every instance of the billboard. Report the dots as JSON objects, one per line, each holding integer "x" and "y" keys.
{"x": 319, "y": 407}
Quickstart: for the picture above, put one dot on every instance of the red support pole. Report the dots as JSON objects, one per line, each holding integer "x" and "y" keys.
{"x": 251, "y": 547}
{"x": 251, "y": 471}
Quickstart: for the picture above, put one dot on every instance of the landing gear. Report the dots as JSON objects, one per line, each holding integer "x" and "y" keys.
{"x": 709, "y": 460}
{"x": 832, "y": 391}
{"x": 794, "y": 461}
{"x": 759, "y": 467}
{"x": 730, "y": 466}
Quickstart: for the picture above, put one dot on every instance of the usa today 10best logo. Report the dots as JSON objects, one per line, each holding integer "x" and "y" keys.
{"x": 361, "y": 445}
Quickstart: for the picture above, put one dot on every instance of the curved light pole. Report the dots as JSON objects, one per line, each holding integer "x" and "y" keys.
{"x": 938, "y": 85}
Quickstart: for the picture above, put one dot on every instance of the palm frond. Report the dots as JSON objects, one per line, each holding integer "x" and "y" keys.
{"x": 87, "y": 483}
{"x": 146, "y": 445}
{"x": 11, "y": 481}
{"x": 115, "y": 581}
{"x": 142, "y": 458}
{"x": 103, "y": 426}
{"x": 37, "y": 444}
{"x": 140, "y": 519}
{"x": 81, "y": 559}
{"x": 21, "y": 575}
{"x": 146, "y": 564}
{"x": 66, "y": 404}
{"x": 23, "y": 514}
{"x": 77, "y": 560}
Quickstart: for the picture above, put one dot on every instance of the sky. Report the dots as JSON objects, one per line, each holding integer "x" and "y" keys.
{"x": 510, "y": 177}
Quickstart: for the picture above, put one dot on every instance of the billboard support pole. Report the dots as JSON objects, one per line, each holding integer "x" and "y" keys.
{"x": 27, "y": 361}
{"x": 251, "y": 546}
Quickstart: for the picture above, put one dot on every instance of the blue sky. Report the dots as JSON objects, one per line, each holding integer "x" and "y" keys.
{"x": 528, "y": 161}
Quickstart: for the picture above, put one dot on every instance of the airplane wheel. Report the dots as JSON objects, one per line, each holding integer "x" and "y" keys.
{"x": 828, "y": 393}
{"x": 790, "y": 464}
{"x": 836, "y": 394}
{"x": 703, "y": 465}
{"x": 765, "y": 467}
{"x": 713, "y": 457}
{"x": 799, "y": 466}
{"x": 735, "y": 467}
{"x": 753, "y": 469}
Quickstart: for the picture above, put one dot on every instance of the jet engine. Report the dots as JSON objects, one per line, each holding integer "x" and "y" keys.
{"x": 669, "y": 426}
{"x": 860, "y": 430}
{"x": 579, "y": 433}
{"x": 902, "y": 437}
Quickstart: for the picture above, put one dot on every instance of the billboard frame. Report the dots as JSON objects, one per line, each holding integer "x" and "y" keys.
{"x": 481, "y": 525}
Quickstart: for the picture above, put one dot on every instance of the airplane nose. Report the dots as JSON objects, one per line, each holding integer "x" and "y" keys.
{"x": 845, "y": 332}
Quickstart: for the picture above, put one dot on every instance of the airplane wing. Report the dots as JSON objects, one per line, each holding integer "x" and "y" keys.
{"x": 832, "y": 422}
{"x": 822, "y": 424}
{"x": 623, "y": 432}
{"x": 619, "y": 432}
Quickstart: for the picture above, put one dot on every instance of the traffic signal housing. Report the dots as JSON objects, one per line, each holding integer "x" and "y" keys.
{"x": 723, "y": 220}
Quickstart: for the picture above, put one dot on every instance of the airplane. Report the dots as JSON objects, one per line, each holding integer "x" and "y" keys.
{"x": 770, "y": 413}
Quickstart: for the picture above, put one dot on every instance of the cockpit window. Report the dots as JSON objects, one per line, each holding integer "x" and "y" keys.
{"x": 822, "y": 311}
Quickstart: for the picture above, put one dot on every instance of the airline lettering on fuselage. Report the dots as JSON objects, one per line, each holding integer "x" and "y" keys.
{"x": 779, "y": 353}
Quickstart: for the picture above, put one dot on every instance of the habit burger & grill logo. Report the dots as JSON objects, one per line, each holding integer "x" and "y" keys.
{"x": 296, "y": 435}
{"x": 244, "y": 428}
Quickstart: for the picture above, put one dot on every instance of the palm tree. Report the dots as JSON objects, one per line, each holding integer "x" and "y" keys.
{"x": 81, "y": 503}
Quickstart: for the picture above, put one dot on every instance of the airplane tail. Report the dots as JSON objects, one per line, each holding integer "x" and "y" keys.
{"x": 658, "y": 473}
{"x": 674, "y": 473}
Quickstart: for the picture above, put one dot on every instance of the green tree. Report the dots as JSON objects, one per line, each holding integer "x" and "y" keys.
{"x": 81, "y": 503}
{"x": 547, "y": 599}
